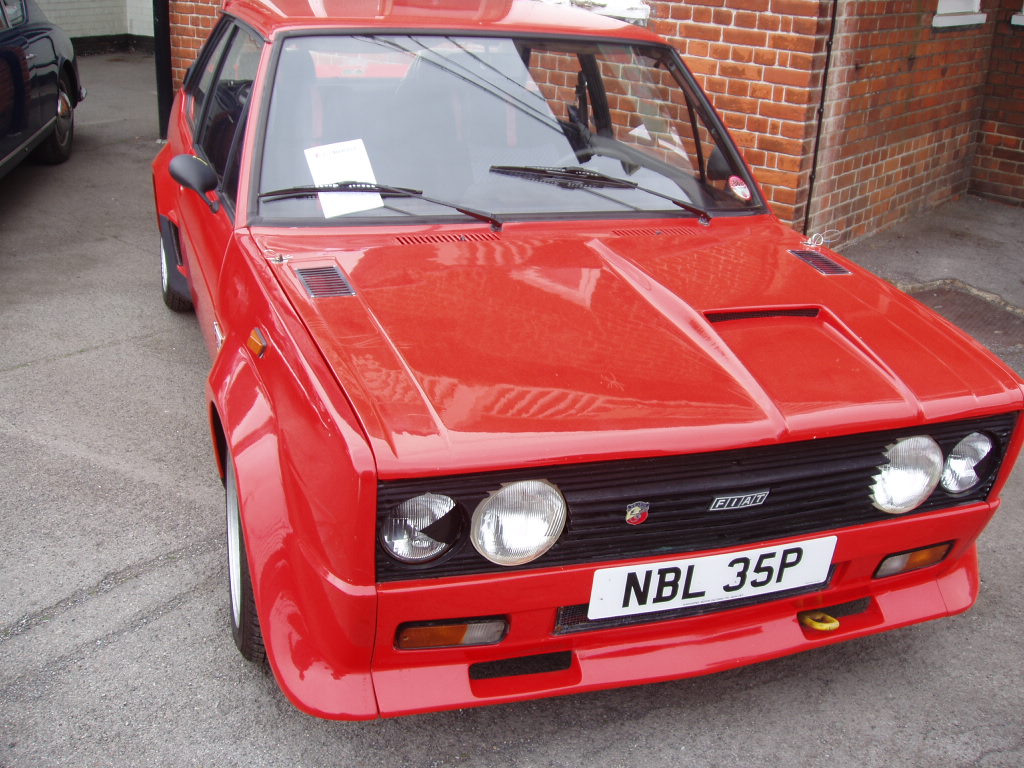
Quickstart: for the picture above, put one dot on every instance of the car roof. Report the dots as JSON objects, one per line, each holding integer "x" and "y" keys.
{"x": 271, "y": 17}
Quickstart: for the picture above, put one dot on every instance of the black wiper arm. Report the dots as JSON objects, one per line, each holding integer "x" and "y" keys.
{"x": 580, "y": 178}
{"x": 312, "y": 190}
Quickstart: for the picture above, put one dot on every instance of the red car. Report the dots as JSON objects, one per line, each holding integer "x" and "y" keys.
{"x": 519, "y": 389}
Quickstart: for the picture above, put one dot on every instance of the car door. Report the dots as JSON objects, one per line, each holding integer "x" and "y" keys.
{"x": 14, "y": 86}
{"x": 219, "y": 108}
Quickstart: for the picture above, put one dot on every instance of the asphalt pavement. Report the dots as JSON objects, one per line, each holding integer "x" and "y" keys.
{"x": 114, "y": 646}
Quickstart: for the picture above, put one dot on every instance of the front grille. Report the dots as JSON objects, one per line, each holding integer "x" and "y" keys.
{"x": 818, "y": 485}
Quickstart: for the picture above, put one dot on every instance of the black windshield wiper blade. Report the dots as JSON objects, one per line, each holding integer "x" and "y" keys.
{"x": 571, "y": 177}
{"x": 312, "y": 190}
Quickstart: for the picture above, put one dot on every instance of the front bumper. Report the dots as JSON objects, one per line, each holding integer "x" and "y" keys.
{"x": 407, "y": 682}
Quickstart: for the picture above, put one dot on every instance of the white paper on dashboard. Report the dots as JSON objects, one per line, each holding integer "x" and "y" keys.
{"x": 343, "y": 161}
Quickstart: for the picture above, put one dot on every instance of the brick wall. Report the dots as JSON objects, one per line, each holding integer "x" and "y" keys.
{"x": 761, "y": 63}
{"x": 191, "y": 23}
{"x": 999, "y": 158}
{"x": 901, "y": 117}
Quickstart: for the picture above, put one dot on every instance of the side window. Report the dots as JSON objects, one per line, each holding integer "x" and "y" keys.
{"x": 15, "y": 13}
{"x": 228, "y": 96}
{"x": 198, "y": 85}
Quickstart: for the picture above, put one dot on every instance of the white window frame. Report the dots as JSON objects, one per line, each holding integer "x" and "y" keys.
{"x": 1018, "y": 18}
{"x": 958, "y": 13}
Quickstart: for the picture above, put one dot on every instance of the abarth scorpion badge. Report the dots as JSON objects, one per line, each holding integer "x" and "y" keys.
{"x": 636, "y": 512}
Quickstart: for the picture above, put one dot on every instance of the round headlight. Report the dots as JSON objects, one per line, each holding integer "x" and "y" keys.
{"x": 961, "y": 471}
{"x": 420, "y": 529}
{"x": 519, "y": 523}
{"x": 910, "y": 475}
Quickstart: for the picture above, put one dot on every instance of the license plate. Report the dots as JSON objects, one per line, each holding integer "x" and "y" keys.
{"x": 674, "y": 584}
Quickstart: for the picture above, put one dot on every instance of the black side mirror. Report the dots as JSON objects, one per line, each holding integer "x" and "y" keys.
{"x": 718, "y": 167}
{"x": 193, "y": 173}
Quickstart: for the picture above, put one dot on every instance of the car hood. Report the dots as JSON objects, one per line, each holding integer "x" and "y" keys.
{"x": 471, "y": 350}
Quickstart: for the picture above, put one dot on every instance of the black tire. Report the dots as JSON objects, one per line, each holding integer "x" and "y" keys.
{"x": 57, "y": 146}
{"x": 245, "y": 624}
{"x": 172, "y": 298}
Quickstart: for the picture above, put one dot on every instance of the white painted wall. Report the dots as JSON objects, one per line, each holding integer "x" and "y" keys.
{"x": 140, "y": 18}
{"x": 93, "y": 18}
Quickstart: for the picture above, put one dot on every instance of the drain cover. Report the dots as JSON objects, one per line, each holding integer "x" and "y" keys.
{"x": 998, "y": 328}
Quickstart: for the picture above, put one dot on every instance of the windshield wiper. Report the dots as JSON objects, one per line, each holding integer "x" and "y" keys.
{"x": 312, "y": 190}
{"x": 573, "y": 177}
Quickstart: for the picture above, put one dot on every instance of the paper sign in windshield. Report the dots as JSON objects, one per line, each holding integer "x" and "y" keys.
{"x": 343, "y": 161}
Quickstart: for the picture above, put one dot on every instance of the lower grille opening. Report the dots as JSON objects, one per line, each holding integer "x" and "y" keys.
{"x": 851, "y": 608}
{"x": 521, "y": 665}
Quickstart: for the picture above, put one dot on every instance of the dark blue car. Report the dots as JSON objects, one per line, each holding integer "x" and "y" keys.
{"x": 39, "y": 87}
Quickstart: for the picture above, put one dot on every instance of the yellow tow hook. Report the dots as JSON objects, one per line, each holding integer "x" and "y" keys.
{"x": 818, "y": 620}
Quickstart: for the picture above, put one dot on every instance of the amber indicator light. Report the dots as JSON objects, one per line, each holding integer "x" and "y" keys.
{"x": 451, "y": 634}
{"x": 904, "y": 562}
{"x": 256, "y": 343}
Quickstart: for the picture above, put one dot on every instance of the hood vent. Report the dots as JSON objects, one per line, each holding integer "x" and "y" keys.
{"x": 656, "y": 231}
{"x": 325, "y": 282}
{"x": 821, "y": 262}
{"x": 448, "y": 237}
{"x": 757, "y": 314}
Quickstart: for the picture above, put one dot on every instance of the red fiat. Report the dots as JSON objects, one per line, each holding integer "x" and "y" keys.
{"x": 518, "y": 387}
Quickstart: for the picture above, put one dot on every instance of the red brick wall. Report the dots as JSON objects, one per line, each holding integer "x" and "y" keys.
{"x": 999, "y": 159}
{"x": 191, "y": 22}
{"x": 901, "y": 118}
{"x": 761, "y": 63}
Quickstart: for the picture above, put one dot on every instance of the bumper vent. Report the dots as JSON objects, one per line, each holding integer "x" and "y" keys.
{"x": 821, "y": 262}
{"x": 817, "y": 485}
{"x": 325, "y": 282}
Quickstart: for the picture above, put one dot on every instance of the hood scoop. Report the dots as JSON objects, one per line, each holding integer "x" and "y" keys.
{"x": 821, "y": 262}
{"x": 760, "y": 314}
{"x": 325, "y": 282}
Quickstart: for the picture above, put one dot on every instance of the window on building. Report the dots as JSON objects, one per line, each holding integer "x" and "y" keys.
{"x": 958, "y": 13}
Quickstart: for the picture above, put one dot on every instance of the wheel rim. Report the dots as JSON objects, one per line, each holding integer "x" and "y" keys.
{"x": 234, "y": 546}
{"x": 65, "y": 117}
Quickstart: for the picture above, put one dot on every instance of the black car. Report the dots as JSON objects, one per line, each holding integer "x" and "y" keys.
{"x": 39, "y": 87}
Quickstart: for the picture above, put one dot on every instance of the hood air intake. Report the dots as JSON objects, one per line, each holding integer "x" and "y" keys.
{"x": 325, "y": 282}
{"x": 821, "y": 262}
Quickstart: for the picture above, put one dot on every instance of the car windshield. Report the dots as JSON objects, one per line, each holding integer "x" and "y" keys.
{"x": 516, "y": 128}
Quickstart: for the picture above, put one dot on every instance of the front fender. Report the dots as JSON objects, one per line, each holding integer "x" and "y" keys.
{"x": 307, "y": 503}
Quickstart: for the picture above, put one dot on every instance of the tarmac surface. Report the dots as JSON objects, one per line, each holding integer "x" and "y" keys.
{"x": 114, "y": 642}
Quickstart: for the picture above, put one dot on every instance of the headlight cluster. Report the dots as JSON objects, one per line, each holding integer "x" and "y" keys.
{"x": 513, "y": 525}
{"x": 915, "y": 466}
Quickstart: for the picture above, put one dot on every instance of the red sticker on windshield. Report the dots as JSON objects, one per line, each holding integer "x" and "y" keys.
{"x": 739, "y": 188}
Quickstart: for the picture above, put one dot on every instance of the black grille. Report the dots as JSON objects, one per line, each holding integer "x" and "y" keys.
{"x": 821, "y": 262}
{"x": 815, "y": 486}
{"x": 325, "y": 282}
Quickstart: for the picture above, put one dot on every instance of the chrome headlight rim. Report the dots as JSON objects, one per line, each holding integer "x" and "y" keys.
{"x": 450, "y": 527}
{"x": 489, "y": 520}
{"x": 905, "y": 457}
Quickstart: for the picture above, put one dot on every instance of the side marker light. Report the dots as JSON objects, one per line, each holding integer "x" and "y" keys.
{"x": 256, "y": 343}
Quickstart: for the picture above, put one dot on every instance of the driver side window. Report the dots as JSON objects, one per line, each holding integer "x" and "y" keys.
{"x": 224, "y": 117}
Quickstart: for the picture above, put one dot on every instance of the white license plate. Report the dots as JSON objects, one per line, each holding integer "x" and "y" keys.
{"x": 674, "y": 584}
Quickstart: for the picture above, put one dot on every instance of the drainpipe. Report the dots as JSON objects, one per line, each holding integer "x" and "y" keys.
{"x": 821, "y": 115}
{"x": 162, "y": 54}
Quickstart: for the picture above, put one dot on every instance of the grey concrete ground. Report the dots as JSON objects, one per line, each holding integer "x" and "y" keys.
{"x": 113, "y": 642}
